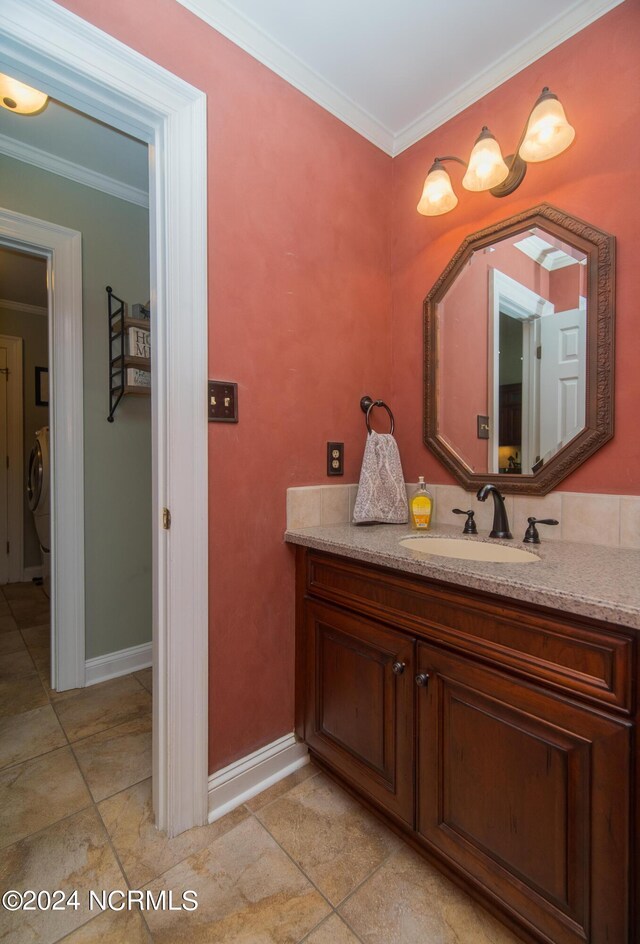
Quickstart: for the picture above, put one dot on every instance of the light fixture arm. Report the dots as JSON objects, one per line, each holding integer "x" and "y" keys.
{"x": 449, "y": 157}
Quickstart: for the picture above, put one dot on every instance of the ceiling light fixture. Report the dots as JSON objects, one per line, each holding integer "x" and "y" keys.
{"x": 546, "y": 134}
{"x": 20, "y": 98}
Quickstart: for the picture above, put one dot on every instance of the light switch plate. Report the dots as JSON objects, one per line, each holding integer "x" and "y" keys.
{"x": 223, "y": 401}
{"x": 483, "y": 427}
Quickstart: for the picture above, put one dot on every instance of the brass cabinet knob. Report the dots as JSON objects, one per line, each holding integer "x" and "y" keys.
{"x": 398, "y": 668}
{"x": 423, "y": 679}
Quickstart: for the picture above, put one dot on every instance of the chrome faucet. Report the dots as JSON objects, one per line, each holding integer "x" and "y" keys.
{"x": 500, "y": 519}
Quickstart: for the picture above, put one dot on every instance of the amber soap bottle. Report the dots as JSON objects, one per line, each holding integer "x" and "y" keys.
{"x": 421, "y": 507}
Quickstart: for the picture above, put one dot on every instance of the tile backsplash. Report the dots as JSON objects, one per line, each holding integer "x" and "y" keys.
{"x": 613, "y": 520}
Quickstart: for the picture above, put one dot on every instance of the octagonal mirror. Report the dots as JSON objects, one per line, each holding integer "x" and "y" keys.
{"x": 519, "y": 335}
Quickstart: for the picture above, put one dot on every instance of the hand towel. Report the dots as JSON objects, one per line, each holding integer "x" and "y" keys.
{"x": 382, "y": 496}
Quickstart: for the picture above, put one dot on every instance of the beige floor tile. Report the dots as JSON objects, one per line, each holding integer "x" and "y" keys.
{"x": 7, "y": 623}
{"x": 409, "y": 902}
{"x": 38, "y": 642}
{"x": 29, "y": 613}
{"x": 144, "y": 851}
{"x": 145, "y": 677}
{"x": 116, "y": 758}
{"x": 21, "y": 695}
{"x": 42, "y": 662}
{"x": 37, "y": 637}
{"x": 39, "y": 792}
{"x": 248, "y": 890}
{"x": 16, "y": 665}
{"x": 331, "y": 836}
{"x": 282, "y": 787}
{"x": 72, "y": 854}
{"x": 23, "y": 591}
{"x": 11, "y": 642}
{"x": 94, "y": 709}
{"x": 112, "y": 927}
{"x": 29, "y": 734}
{"x": 334, "y": 931}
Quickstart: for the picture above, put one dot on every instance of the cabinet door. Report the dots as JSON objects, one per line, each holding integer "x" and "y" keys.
{"x": 360, "y": 704}
{"x": 528, "y": 794}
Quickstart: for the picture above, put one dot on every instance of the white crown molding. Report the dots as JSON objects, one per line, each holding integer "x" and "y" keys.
{"x": 115, "y": 664}
{"x": 245, "y": 778}
{"x": 245, "y": 33}
{"x": 28, "y": 154}
{"x": 576, "y": 18}
{"x": 23, "y": 307}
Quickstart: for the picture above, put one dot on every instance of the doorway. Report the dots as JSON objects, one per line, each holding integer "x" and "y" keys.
{"x": 62, "y": 54}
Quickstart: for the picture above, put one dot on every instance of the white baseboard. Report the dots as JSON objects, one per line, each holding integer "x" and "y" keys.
{"x": 237, "y": 783}
{"x": 29, "y": 573}
{"x": 118, "y": 663}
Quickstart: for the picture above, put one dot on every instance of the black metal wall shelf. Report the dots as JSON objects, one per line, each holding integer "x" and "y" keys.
{"x": 120, "y": 361}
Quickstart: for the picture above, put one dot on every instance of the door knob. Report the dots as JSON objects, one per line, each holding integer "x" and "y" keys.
{"x": 423, "y": 679}
{"x": 398, "y": 668}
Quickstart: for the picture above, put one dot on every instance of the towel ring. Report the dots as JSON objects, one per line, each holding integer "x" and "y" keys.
{"x": 367, "y": 404}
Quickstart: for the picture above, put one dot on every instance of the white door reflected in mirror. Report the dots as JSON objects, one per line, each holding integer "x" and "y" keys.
{"x": 537, "y": 372}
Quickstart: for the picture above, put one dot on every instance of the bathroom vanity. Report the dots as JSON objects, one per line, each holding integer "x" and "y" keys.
{"x": 487, "y": 712}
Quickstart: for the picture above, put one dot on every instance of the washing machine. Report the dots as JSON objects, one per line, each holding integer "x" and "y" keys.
{"x": 39, "y": 497}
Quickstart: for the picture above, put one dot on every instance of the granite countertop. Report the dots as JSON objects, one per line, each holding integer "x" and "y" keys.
{"x": 584, "y": 579}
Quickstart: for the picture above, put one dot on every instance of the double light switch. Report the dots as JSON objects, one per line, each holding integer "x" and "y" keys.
{"x": 223, "y": 402}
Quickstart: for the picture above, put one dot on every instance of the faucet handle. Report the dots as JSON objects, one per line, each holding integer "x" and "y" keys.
{"x": 531, "y": 535}
{"x": 469, "y": 525}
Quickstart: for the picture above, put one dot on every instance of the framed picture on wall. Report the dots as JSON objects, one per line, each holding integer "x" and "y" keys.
{"x": 42, "y": 386}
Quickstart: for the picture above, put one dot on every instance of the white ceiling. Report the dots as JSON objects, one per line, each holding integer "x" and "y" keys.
{"x": 396, "y": 69}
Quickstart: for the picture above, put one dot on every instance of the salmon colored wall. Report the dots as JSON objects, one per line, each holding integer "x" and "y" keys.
{"x": 299, "y": 301}
{"x": 595, "y": 74}
{"x": 565, "y": 286}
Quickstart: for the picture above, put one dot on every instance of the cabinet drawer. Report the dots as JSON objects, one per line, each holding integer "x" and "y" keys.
{"x": 359, "y": 717}
{"x": 565, "y": 652}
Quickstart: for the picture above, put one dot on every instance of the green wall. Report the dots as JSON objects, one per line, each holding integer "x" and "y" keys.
{"x": 115, "y": 251}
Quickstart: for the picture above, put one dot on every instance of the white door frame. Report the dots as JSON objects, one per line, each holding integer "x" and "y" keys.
{"x": 15, "y": 447}
{"x": 62, "y": 250}
{"x": 49, "y": 47}
{"x": 510, "y": 296}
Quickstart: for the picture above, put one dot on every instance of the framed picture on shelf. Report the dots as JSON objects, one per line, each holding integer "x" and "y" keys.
{"x": 42, "y": 386}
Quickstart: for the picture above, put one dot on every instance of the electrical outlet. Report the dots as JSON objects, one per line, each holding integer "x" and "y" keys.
{"x": 223, "y": 402}
{"x": 335, "y": 458}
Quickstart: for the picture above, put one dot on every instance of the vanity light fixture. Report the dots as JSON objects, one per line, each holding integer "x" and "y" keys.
{"x": 20, "y": 98}
{"x": 546, "y": 134}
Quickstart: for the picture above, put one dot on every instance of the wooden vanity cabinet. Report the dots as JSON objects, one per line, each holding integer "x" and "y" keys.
{"x": 497, "y": 738}
{"x": 360, "y": 716}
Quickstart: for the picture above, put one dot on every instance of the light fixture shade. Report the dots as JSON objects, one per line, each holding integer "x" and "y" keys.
{"x": 20, "y": 98}
{"x": 548, "y": 131}
{"x": 437, "y": 195}
{"x": 486, "y": 167}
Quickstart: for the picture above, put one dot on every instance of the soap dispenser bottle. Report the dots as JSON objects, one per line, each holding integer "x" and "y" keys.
{"x": 421, "y": 507}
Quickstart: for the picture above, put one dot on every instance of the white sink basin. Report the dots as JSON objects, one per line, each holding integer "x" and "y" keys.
{"x": 470, "y": 550}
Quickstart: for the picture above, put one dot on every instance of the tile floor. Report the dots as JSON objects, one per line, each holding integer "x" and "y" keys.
{"x": 302, "y": 861}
